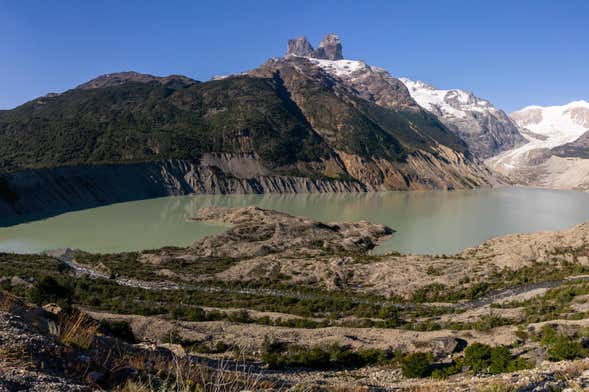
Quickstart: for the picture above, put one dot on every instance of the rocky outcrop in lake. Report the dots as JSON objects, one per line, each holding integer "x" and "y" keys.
{"x": 258, "y": 232}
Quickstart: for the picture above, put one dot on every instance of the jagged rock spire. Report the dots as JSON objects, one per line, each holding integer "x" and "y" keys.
{"x": 330, "y": 48}
{"x": 299, "y": 46}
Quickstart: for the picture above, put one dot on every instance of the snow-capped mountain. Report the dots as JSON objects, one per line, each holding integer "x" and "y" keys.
{"x": 554, "y": 155}
{"x": 372, "y": 83}
{"x": 486, "y": 129}
{"x": 555, "y": 124}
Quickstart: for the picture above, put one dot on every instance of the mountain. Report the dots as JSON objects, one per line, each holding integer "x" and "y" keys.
{"x": 556, "y": 125}
{"x": 330, "y": 48}
{"x": 291, "y": 125}
{"x": 557, "y": 151}
{"x": 578, "y": 148}
{"x": 486, "y": 129}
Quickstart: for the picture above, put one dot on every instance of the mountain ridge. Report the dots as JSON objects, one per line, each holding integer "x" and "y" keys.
{"x": 294, "y": 117}
{"x": 486, "y": 129}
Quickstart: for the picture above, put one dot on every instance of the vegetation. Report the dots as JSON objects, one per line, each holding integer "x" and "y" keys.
{"x": 129, "y": 264}
{"x": 481, "y": 358}
{"x": 278, "y": 355}
{"x": 76, "y": 328}
{"x": 47, "y": 290}
{"x": 500, "y": 279}
{"x": 416, "y": 365}
{"x": 150, "y": 121}
{"x": 561, "y": 347}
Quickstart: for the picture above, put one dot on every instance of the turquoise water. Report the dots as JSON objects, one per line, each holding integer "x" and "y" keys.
{"x": 426, "y": 222}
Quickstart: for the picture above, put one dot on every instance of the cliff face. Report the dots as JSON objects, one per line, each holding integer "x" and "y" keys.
{"x": 33, "y": 194}
{"x": 444, "y": 169}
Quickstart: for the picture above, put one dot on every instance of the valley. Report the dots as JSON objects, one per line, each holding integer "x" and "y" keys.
{"x": 313, "y": 223}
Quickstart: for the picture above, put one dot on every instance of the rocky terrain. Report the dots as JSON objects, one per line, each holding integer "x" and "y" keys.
{"x": 52, "y": 349}
{"x": 297, "y": 304}
{"x": 259, "y": 232}
{"x": 302, "y": 251}
{"x": 330, "y": 48}
{"x": 308, "y": 122}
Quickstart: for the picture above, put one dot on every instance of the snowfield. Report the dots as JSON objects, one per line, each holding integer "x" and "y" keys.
{"x": 449, "y": 102}
{"x": 553, "y": 125}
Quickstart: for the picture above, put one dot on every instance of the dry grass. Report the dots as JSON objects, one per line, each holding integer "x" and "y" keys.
{"x": 194, "y": 377}
{"x": 76, "y": 329}
{"x": 571, "y": 372}
{"x": 9, "y": 302}
{"x": 499, "y": 386}
{"x": 15, "y": 356}
{"x": 348, "y": 388}
{"x": 168, "y": 372}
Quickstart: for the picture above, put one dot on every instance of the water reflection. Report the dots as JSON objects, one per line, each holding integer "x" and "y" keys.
{"x": 426, "y": 222}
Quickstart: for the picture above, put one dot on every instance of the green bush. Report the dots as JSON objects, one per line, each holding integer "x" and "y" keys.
{"x": 416, "y": 365}
{"x": 481, "y": 358}
{"x": 47, "y": 290}
{"x": 560, "y": 347}
{"x": 563, "y": 348}
{"x": 196, "y": 314}
{"x": 477, "y": 357}
{"x": 500, "y": 360}
{"x": 278, "y": 355}
{"x": 444, "y": 371}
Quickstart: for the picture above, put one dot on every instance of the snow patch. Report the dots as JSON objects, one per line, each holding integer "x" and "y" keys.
{"x": 456, "y": 103}
{"x": 339, "y": 68}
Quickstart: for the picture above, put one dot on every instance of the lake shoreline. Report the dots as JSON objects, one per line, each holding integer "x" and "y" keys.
{"x": 428, "y": 222}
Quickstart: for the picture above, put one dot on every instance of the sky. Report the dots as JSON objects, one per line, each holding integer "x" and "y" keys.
{"x": 514, "y": 53}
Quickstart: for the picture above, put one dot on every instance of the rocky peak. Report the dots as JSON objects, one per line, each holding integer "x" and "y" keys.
{"x": 299, "y": 46}
{"x": 330, "y": 48}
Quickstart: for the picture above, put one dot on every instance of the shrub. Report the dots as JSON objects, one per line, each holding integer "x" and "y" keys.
{"x": 241, "y": 316}
{"x": 563, "y": 347}
{"x": 280, "y": 355}
{"x": 477, "y": 357}
{"x": 416, "y": 365}
{"x": 444, "y": 371}
{"x": 47, "y": 289}
{"x": 196, "y": 314}
{"x": 490, "y": 321}
{"x": 481, "y": 358}
{"x": 500, "y": 360}
{"x": 119, "y": 329}
{"x": 548, "y": 335}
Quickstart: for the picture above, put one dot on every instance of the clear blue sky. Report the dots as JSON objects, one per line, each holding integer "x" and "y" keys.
{"x": 515, "y": 53}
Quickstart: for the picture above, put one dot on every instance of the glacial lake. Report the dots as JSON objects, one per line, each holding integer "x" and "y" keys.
{"x": 435, "y": 222}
